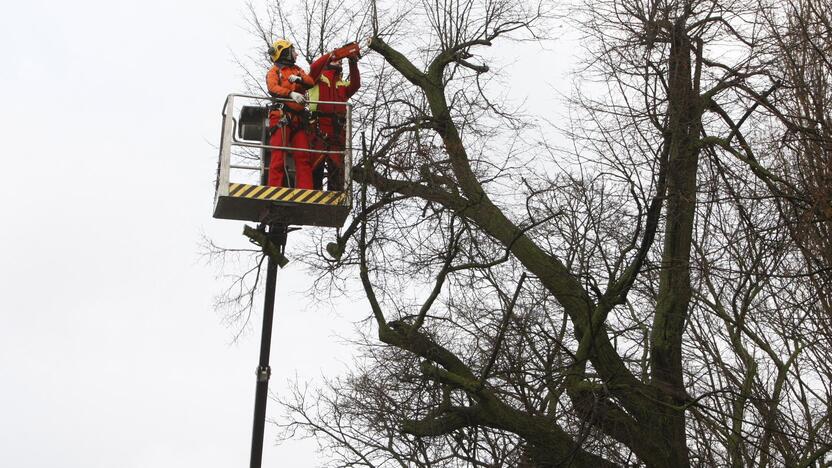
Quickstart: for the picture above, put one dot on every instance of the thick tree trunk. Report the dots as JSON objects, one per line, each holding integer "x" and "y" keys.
{"x": 684, "y": 127}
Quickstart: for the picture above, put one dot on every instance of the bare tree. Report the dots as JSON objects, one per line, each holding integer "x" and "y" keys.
{"x": 653, "y": 293}
{"x": 801, "y": 33}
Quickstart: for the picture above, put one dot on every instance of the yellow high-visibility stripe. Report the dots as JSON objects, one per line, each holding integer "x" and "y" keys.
{"x": 257, "y": 191}
{"x": 335, "y": 199}
{"x": 247, "y": 190}
{"x": 287, "y": 194}
{"x": 316, "y": 198}
{"x": 305, "y": 196}
{"x": 280, "y": 193}
{"x": 295, "y": 194}
{"x": 314, "y": 93}
{"x": 266, "y": 194}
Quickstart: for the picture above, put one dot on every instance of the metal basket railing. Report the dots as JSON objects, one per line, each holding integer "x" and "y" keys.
{"x": 228, "y": 139}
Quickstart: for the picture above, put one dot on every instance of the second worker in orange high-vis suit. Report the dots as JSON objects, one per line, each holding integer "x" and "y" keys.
{"x": 289, "y": 121}
{"x": 330, "y": 133}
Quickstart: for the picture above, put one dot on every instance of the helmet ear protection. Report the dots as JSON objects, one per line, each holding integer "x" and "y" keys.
{"x": 277, "y": 48}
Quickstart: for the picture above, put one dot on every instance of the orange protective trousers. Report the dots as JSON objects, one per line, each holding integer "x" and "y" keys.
{"x": 292, "y": 135}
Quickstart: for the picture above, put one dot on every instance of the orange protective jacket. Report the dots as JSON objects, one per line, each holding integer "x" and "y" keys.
{"x": 277, "y": 81}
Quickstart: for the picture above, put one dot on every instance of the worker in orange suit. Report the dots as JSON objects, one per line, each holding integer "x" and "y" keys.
{"x": 329, "y": 133}
{"x": 289, "y": 120}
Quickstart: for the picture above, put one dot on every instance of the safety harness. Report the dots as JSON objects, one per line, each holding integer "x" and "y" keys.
{"x": 303, "y": 118}
{"x": 339, "y": 121}
{"x": 303, "y": 115}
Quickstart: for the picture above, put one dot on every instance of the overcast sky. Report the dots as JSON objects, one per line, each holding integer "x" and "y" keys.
{"x": 110, "y": 352}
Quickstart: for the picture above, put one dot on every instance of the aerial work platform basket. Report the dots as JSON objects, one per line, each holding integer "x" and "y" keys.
{"x": 242, "y": 192}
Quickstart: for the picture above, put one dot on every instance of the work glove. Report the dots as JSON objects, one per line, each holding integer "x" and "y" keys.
{"x": 295, "y": 79}
{"x": 297, "y": 97}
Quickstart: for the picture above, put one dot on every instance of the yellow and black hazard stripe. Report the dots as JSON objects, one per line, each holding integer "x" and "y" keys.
{"x": 285, "y": 194}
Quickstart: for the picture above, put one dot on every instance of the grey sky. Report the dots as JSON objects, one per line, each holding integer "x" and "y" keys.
{"x": 110, "y": 352}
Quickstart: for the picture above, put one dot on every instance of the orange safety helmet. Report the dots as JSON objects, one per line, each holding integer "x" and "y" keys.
{"x": 278, "y": 47}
